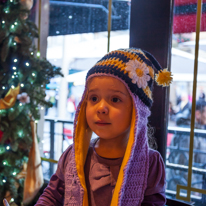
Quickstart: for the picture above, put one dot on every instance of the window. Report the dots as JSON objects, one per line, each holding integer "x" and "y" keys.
{"x": 154, "y": 35}
{"x": 184, "y": 51}
{"x": 80, "y": 33}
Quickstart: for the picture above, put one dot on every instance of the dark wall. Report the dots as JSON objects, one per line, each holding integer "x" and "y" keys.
{"x": 150, "y": 30}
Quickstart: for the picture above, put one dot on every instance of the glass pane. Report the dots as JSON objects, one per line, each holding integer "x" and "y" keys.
{"x": 78, "y": 38}
{"x": 180, "y": 105}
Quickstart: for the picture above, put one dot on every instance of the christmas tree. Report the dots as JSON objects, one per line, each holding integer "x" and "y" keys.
{"x": 23, "y": 78}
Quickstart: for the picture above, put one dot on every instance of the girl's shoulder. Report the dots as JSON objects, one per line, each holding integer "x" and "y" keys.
{"x": 155, "y": 158}
{"x": 66, "y": 153}
{"x": 153, "y": 152}
{"x": 65, "y": 158}
{"x": 156, "y": 179}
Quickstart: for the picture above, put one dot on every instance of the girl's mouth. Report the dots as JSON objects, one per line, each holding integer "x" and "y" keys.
{"x": 102, "y": 123}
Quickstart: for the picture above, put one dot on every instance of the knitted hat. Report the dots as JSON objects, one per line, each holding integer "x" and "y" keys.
{"x": 135, "y": 69}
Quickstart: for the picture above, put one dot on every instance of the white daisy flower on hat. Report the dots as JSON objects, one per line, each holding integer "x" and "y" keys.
{"x": 138, "y": 72}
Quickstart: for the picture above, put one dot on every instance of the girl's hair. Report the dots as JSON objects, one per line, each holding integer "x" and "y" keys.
{"x": 151, "y": 139}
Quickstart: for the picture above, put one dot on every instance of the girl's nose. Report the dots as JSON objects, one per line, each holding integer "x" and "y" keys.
{"x": 102, "y": 108}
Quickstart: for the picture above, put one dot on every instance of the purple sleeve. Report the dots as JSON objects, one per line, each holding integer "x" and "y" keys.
{"x": 53, "y": 195}
{"x": 155, "y": 191}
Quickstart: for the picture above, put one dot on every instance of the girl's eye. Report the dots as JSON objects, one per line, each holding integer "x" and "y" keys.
{"x": 115, "y": 99}
{"x": 93, "y": 99}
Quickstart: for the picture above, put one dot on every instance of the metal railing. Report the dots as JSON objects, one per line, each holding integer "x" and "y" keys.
{"x": 177, "y": 162}
{"x": 49, "y": 155}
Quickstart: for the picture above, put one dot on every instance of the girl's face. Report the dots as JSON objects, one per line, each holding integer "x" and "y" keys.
{"x": 109, "y": 108}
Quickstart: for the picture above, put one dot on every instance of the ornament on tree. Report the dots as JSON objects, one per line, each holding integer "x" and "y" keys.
{"x": 23, "y": 172}
{"x": 23, "y": 98}
{"x": 16, "y": 38}
{"x": 7, "y": 199}
{"x": 1, "y": 134}
{"x": 34, "y": 175}
{"x": 9, "y": 100}
{"x": 23, "y": 15}
{"x": 26, "y": 4}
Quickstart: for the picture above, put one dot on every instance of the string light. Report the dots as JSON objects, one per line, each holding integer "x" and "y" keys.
{"x": 14, "y": 43}
{"x": 15, "y": 60}
{"x": 11, "y": 0}
{"x": 20, "y": 104}
{"x": 14, "y": 68}
{"x": 20, "y": 133}
{"x": 15, "y": 23}
{"x": 12, "y": 76}
{"x": 27, "y": 64}
{"x": 3, "y": 87}
{"x": 14, "y": 73}
{"x": 42, "y": 108}
{"x": 22, "y": 85}
{"x": 12, "y": 86}
{"x": 3, "y": 22}
{"x": 3, "y": 180}
{"x": 36, "y": 121}
{"x": 7, "y": 148}
{"x": 6, "y": 10}
{"x": 32, "y": 53}
{"x": 14, "y": 173}
{"x": 12, "y": 26}
{"x": 12, "y": 200}
{"x": 38, "y": 54}
{"x": 4, "y": 162}
{"x": 33, "y": 74}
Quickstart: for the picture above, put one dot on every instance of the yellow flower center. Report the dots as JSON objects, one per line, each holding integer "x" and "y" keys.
{"x": 139, "y": 72}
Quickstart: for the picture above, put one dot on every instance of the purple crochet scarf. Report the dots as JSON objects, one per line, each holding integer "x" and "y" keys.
{"x": 136, "y": 171}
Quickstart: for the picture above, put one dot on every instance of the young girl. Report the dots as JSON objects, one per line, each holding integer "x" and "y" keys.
{"x": 117, "y": 168}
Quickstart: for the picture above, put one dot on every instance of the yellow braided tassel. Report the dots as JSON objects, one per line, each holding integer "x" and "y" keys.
{"x": 164, "y": 78}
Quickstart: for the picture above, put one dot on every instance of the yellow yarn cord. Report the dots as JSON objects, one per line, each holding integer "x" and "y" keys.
{"x": 115, "y": 197}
